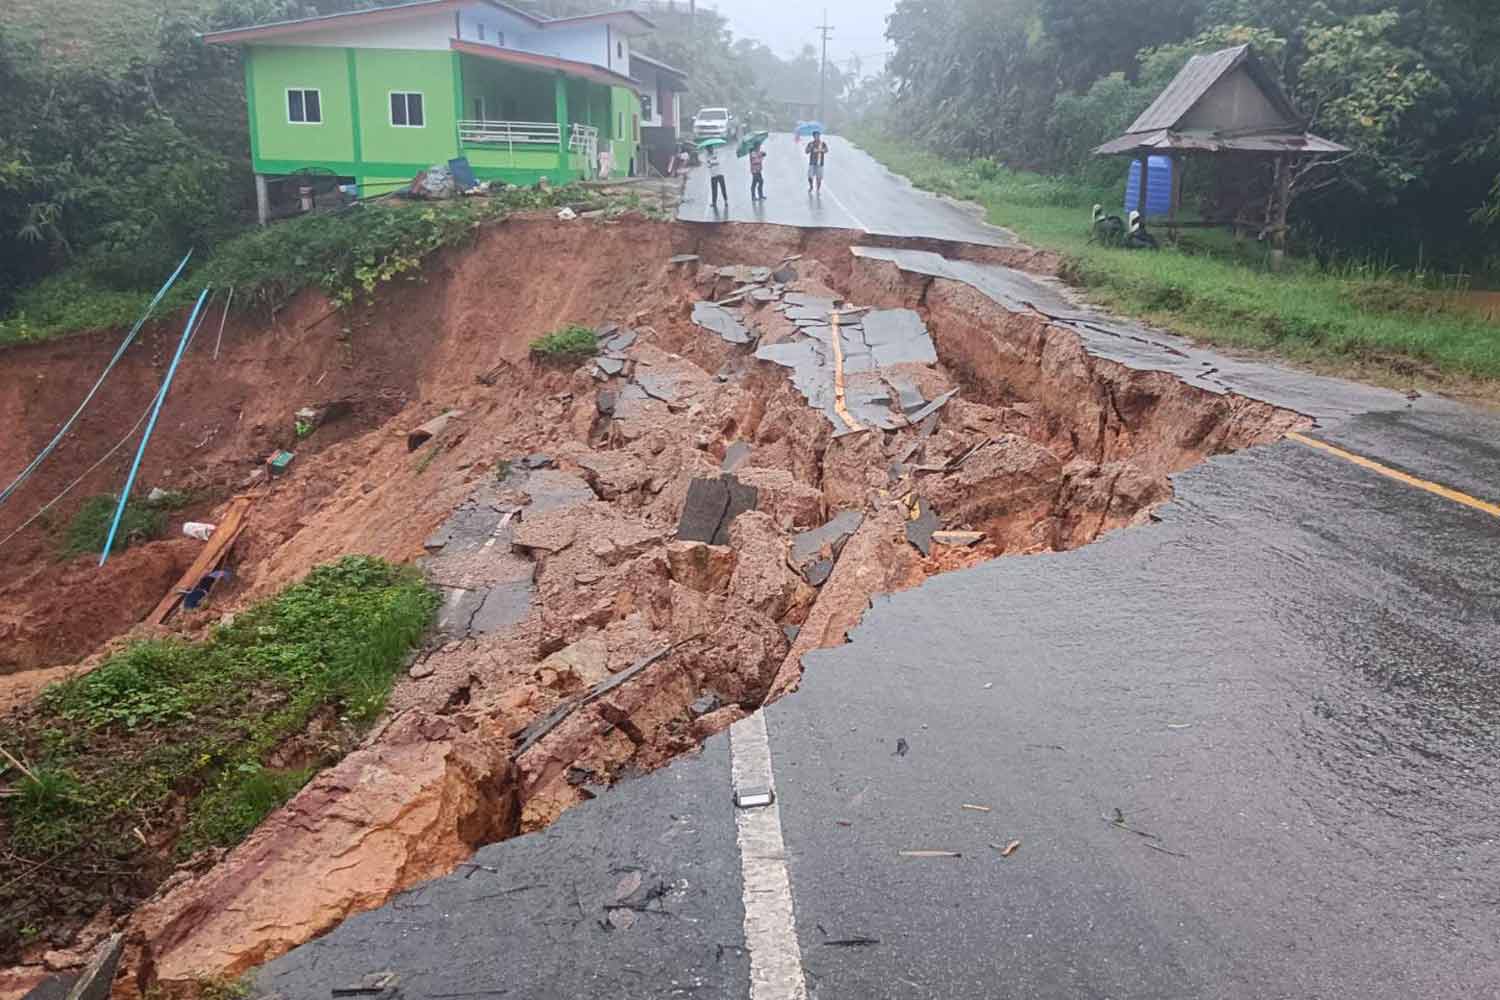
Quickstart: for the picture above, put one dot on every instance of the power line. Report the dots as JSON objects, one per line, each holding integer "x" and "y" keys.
{"x": 825, "y": 29}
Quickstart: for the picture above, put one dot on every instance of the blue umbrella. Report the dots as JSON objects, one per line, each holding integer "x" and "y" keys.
{"x": 808, "y": 128}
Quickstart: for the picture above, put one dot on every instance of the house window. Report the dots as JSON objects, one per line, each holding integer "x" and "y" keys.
{"x": 304, "y": 107}
{"x": 481, "y": 31}
{"x": 619, "y": 124}
{"x": 406, "y": 110}
{"x": 619, "y": 50}
{"x": 636, "y": 121}
{"x": 646, "y": 106}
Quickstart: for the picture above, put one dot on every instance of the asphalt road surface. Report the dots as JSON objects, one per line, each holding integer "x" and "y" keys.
{"x": 1248, "y": 751}
{"x": 858, "y": 193}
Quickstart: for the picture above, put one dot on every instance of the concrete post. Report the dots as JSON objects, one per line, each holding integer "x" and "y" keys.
{"x": 565, "y": 129}
{"x": 1278, "y": 221}
{"x": 262, "y": 200}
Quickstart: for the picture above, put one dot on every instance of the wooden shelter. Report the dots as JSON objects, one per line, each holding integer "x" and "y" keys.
{"x": 1222, "y": 104}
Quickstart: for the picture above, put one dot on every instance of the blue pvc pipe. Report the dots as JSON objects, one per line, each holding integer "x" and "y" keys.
{"x": 150, "y": 308}
{"x": 161, "y": 397}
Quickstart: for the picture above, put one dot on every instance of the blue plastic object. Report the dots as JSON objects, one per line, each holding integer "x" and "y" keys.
{"x": 1158, "y": 187}
{"x": 161, "y": 397}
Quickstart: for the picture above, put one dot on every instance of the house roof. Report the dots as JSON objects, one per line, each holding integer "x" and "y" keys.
{"x": 1167, "y": 141}
{"x": 1201, "y": 73}
{"x": 534, "y": 60}
{"x": 631, "y": 21}
{"x": 661, "y": 68}
{"x": 628, "y": 21}
{"x": 1169, "y": 124}
{"x": 375, "y": 15}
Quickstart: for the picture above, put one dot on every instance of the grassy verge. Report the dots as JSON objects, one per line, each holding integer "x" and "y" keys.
{"x": 1391, "y": 327}
{"x": 571, "y": 343}
{"x": 170, "y": 747}
{"x": 87, "y": 531}
{"x": 346, "y": 254}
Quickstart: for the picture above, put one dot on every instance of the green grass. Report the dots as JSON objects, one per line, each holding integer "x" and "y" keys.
{"x": 1391, "y": 324}
{"x": 346, "y": 254}
{"x": 89, "y": 528}
{"x": 199, "y": 741}
{"x": 571, "y": 343}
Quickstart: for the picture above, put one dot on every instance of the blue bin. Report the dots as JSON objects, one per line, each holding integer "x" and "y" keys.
{"x": 1158, "y": 187}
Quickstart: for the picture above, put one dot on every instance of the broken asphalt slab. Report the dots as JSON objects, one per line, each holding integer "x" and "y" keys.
{"x": 711, "y": 507}
{"x": 814, "y": 552}
{"x": 720, "y": 321}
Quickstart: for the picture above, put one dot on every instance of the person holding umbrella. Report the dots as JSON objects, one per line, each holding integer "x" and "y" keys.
{"x": 752, "y": 146}
{"x": 716, "y": 181}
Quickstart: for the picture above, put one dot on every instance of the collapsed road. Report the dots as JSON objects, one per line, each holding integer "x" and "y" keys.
{"x": 1010, "y": 781}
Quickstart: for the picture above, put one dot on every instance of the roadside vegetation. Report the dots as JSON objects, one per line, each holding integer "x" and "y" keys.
{"x": 1356, "y": 316}
{"x": 1003, "y": 103}
{"x": 346, "y": 254}
{"x": 169, "y": 747}
{"x": 571, "y": 343}
{"x": 89, "y": 527}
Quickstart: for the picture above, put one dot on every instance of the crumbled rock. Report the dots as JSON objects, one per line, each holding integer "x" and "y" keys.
{"x": 700, "y": 566}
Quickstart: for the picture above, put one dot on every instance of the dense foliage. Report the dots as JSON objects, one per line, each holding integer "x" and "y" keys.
{"x": 1411, "y": 86}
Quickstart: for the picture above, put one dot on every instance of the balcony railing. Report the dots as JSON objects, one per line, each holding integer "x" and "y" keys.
{"x": 510, "y": 133}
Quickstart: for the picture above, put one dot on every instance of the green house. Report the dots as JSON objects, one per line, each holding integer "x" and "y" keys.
{"x": 374, "y": 96}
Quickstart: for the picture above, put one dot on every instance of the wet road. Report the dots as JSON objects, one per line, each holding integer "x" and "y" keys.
{"x": 1286, "y": 687}
{"x": 858, "y": 193}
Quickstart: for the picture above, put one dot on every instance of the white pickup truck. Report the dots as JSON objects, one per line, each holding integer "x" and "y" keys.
{"x": 715, "y": 123}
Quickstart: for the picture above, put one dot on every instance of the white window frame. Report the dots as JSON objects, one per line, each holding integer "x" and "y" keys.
{"x": 406, "y": 94}
{"x": 481, "y": 30}
{"x": 483, "y": 109}
{"x": 304, "y": 91}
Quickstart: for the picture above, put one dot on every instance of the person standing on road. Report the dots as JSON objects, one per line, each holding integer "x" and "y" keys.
{"x": 716, "y": 182}
{"x": 757, "y": 174}
{"x": 817, "y": 152}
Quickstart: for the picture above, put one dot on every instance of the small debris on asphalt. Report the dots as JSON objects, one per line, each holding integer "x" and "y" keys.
{"x": 373, "y": 984}
{"x": 901, "y": 747}
{"x": 973, "y": 808}
{"x": 851, "y": 942}
{"x": 930, "y": 854}
{"x": 958, "y": 539}
{"x": 1008, "y": 849}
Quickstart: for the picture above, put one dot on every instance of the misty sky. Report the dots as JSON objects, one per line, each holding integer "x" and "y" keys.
{"x": 785, "y": 25}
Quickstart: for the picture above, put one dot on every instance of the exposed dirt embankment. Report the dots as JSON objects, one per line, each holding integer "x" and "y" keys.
{"x": 564, "y": 488}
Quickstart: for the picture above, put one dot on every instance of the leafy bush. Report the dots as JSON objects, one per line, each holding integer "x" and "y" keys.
{"x": 90, "y": 526}
{"x": 166, "y": 721}
{"x": 571, "y": 343}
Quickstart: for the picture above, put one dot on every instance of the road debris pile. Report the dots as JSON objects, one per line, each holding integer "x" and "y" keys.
{"x": 635, "y": 550}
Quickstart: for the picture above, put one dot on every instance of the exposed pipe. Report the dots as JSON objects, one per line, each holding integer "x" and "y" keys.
{"x": 161, "y": 397}
{"x": 119, "y": 352}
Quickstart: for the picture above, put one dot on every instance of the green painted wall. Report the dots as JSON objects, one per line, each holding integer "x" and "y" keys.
{"x": 356, "y": 138}
{"x": 432, "y": 74}
{"x": 271, "y": 71}
{"x": 625, "y": 104}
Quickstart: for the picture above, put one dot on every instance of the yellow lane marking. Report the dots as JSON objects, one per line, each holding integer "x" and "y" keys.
{"x": 1365, "y": 463}
{"x": 838, "y": 375}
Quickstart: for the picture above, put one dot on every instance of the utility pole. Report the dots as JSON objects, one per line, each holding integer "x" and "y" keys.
{"x": 825, "y": 29}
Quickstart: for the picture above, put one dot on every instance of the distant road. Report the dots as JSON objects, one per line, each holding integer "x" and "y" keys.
{"x": 858, "y": 193}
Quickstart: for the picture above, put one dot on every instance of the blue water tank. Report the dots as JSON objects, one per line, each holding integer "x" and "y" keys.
{"x": 1158, "y": 187}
